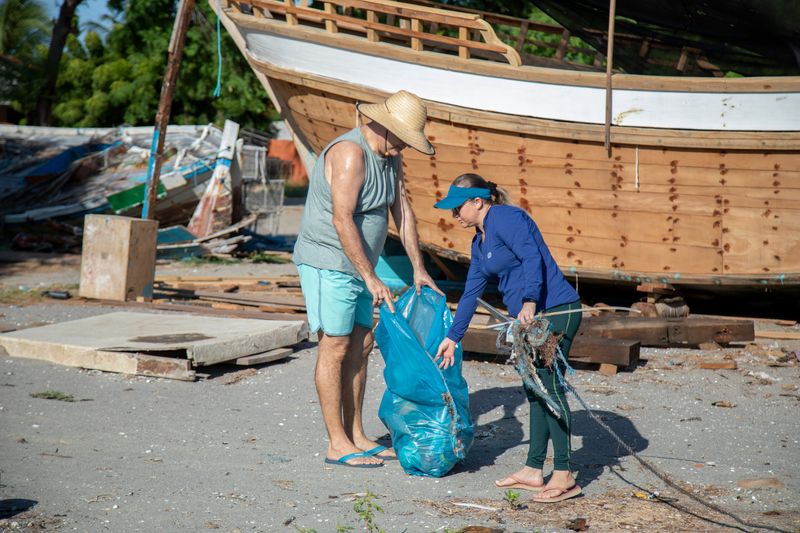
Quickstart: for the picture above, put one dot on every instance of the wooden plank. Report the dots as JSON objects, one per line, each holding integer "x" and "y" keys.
{"x": 669, "y": 332}
{"x": 585, "y": 349}
{"x": 372, "y": 35}
{"x": 463, "y": 51}
{"x": 330, "y": 25}
{"x": 266, "y": 357}
{"x": 607, "y": 369}
{"x": 416, "y": 43}
{"x": 781, "y": 335}
{"x": 164, "y": 367}
{"x": 255, "y": 299}
{"x": 291, "y": 18}
{"x": 619, "y": 352}
{"x": 201, "y": 310}
{"x": 716, "y": 364}
{"x": 440, "y": 16}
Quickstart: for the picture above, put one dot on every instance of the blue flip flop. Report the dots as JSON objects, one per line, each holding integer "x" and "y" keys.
{"x": 342, "y": 461}
{"x": 375, "y": 451}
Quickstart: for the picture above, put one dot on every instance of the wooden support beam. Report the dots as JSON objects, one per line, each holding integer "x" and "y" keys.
{"x": 443, "y": 267}
{"x": 416, "y": 27}
{"x": 463, "y": 35}
{"x": 609, "y": 64}
{"x": 681, "y": 66}
{"x": 291, "y": 18}
{"x": 330, "y": 25}
{"x": 782, "y": 335}
{"x": 689, "y": 331}
{"x": 266, "y": 357}
{"x": 175, "y": 52}
{"x": 522, "y": 36}
{"x": 563, "y": 44}
{"x": 585, "y": 349}
{"x": 372, "y": 35}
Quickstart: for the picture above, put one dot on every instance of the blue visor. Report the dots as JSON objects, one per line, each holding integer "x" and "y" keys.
{"x": 456, "y": 196}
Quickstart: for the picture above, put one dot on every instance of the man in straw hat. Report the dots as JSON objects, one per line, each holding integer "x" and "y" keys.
{"x": 356, "y": 182}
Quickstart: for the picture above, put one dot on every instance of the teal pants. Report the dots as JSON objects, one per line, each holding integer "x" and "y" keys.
{"x": 543, "y": 425}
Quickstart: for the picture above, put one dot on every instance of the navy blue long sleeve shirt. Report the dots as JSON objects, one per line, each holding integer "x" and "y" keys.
{"x": 514, "y": 252}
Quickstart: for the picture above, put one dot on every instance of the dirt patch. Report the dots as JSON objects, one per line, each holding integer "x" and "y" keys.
{"x": 615, "y": 510}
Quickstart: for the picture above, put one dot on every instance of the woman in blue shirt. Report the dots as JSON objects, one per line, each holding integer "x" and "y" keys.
{"x": 508, "y": 246}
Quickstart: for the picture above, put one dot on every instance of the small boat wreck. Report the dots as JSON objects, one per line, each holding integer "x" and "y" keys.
{"x": 686, "y": 180}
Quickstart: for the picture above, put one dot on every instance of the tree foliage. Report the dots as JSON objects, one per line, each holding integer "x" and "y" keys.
{"x": 24, "y": 33}
{"x": 115, "y": 79}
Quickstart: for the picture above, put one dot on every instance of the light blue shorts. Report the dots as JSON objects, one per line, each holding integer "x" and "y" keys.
{"x": 335, "y": 301}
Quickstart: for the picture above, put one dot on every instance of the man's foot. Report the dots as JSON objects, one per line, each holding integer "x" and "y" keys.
{"x": 355, "y": 456}
{"x": 528, "y": 479}
{"x": 368, "y": 446}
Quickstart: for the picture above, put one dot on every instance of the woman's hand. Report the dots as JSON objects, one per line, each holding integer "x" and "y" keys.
{"x": 526, "y": 315}
{"x": 447, "y": 351}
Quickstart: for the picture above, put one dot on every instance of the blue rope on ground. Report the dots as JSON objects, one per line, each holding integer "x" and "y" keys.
{"x": 218, "y": 88}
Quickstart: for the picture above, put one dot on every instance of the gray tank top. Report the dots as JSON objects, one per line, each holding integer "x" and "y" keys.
{"x": 318, "y": 244}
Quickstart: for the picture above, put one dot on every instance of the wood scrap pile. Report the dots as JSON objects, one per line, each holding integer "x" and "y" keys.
{"x": 179, "y": 242}
{"x": 614, "y": 341}
{"x": 267, "y": 296}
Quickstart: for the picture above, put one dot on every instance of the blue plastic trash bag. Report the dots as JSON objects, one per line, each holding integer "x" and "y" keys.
{"x": 426, "y": 409}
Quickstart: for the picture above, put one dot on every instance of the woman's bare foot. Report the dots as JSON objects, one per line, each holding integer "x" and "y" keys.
{"x": 560, "y": 482}
{"x": 527, "y": 478}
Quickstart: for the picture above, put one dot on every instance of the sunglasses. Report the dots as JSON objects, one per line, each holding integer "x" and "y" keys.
{"x": 457, "y": 210}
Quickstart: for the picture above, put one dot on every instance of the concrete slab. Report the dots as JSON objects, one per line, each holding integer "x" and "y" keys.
{"x": 203, "y": 340}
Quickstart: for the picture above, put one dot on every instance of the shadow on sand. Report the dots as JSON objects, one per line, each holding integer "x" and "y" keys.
{"x": 593, "y": 448}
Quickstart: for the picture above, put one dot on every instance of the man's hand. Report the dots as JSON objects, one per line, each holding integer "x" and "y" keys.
{"x": 447, "y": 351}
{"x": 526, "y": 315}
{"x": 421, "y": 278}
{"x": 380, "y": 292}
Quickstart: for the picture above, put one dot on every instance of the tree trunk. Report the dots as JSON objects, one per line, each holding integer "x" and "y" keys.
{"x": 64, "y": 26}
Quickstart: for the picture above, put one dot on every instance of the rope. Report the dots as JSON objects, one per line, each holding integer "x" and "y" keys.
{"x": 218, "y": 88}
{"x": 522, "y": 349}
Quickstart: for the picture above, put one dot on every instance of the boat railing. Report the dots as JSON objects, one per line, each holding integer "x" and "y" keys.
{"x": 420, "y": 28}
{"x": 537, "y": 42}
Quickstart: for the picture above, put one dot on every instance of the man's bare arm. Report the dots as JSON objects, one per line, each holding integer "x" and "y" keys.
{"x": 406, "y": 223}
{"x": 344, "y": 166}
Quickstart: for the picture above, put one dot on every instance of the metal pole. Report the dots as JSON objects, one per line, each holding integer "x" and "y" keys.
{"x": 612, "y": 8}
{"x": 175, "y": 52}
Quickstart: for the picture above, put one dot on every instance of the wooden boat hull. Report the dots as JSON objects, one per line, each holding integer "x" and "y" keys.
{"x": 700, "y": 208}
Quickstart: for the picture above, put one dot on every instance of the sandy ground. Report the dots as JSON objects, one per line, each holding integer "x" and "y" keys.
{"x": 243, "y": 449}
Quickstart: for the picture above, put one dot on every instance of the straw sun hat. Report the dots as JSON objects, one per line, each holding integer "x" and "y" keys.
{"x": 403, "y": 114}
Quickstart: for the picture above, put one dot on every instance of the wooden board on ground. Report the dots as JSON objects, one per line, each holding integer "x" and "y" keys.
{"x": 190, "y": 340}
{"x": 783, "y": 335}
{"x": 266, "y": 357}
{"x": 689, "y": 331}
{"x": 201, "y": 309}
{"x": 585, "y": 349}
